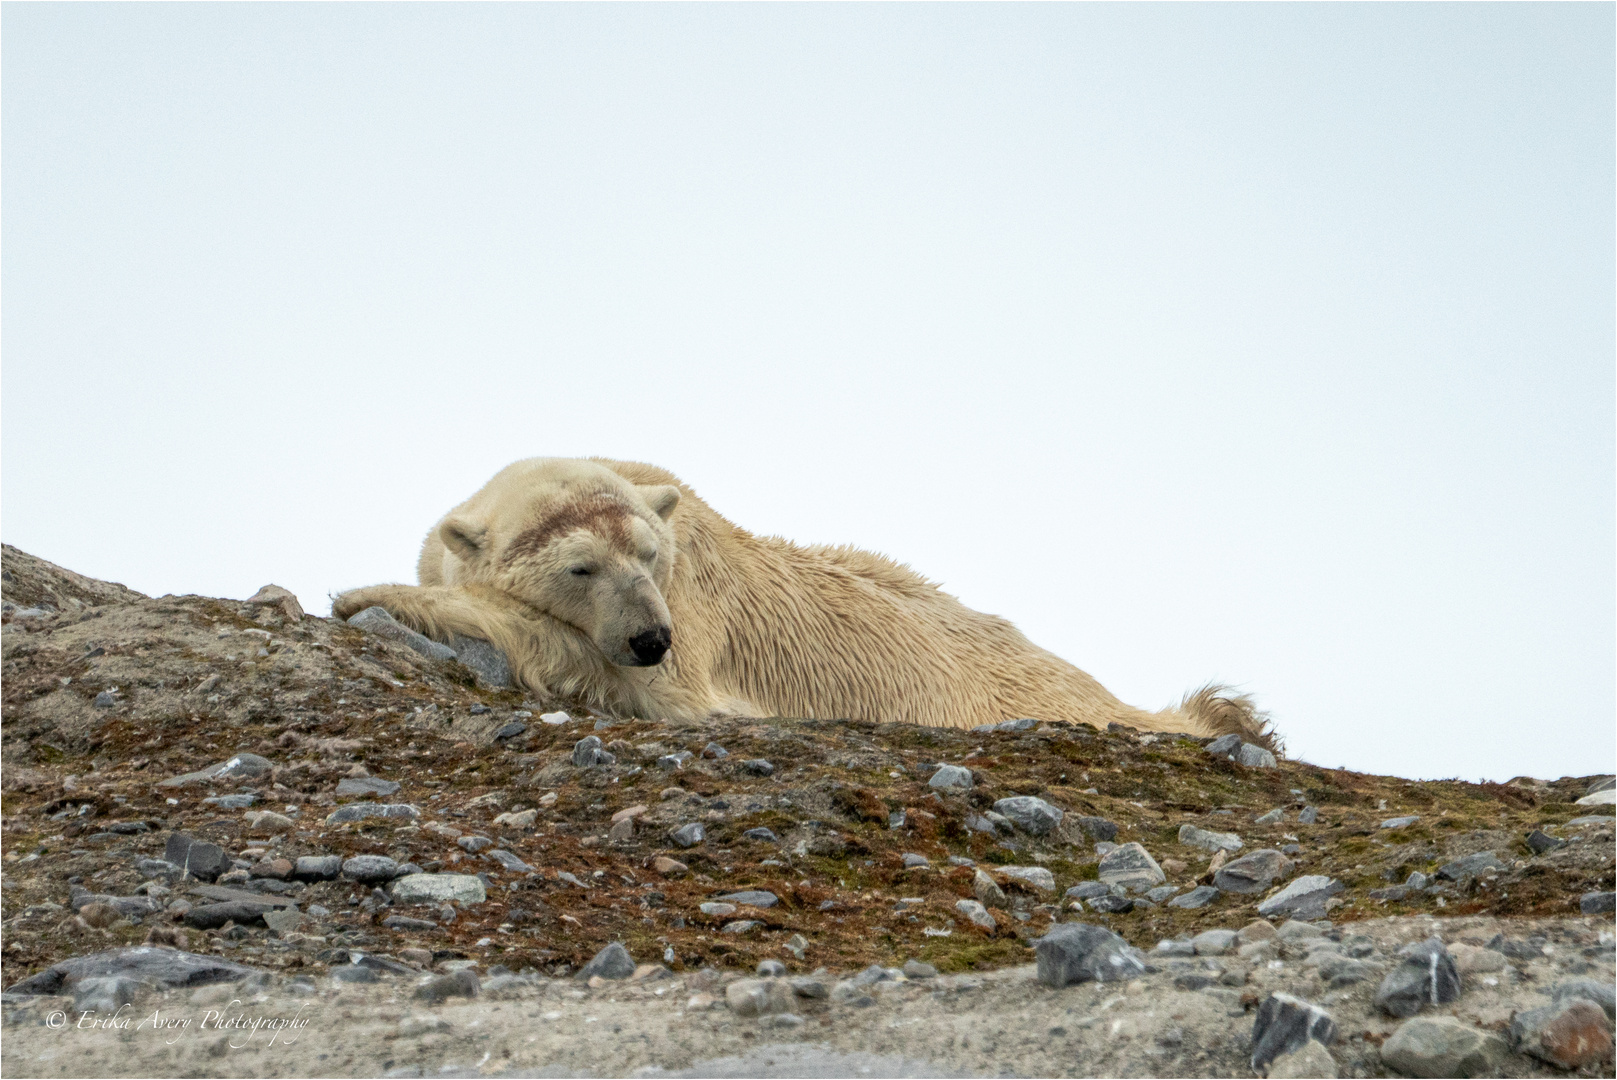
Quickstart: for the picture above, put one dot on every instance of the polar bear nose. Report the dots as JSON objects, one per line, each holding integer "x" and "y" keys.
{"x": 650, "y": 645}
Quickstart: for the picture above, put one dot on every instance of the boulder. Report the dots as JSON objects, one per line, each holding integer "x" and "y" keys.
{"x": 1078, "y": 952}
{"x": 162, "y": 967}
{"x": 437, "y": 889}
{"x": 1425, "y": 975}
{"x": 1032, "y": 815}
{"x": 1132, "y": 867}
{"x": 1284, "y": 1025}
{"x": 1253, "y": 872}
{"x": 1440, "y": 1046}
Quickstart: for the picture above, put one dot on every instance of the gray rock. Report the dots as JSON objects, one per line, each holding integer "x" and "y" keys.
{"x": 975, "y": 913}
{"x": 196, "y": 857}
{"x": 587, "y": 752}
{"x": 755, "y": 897}
{"x": 1161, "y": 893}
{"x": 1417, "y": 880}
{"x": 760, "y": 997}
{"x": 766, "y": 835}
{"x": 360, "y": 811}
{"x": 1600, "y": 993}
{"x": 1593, "y": 819}
{"x": 1255, "y": 757}
{"x": 1602, "y": 783}
{"x": 1098, "y": 828}
{"x": 1023, "y": 724}
{"x": 365, "y": 785}
{"x": 1078, "y": 952}
{"x": 897, "y": 819}
{"x": 715, "y": 751}
{"x": 1174, "y": 948}
{"x": 376, "y": 620}
{"x": 770, "y": 969}
{"x": 106, "y": 699}
{"x": 406, "y": 925}
{"x": 510, "y": 730}
{"x": 1425, "y": 976}
{"x": 437, "y": 889}
{"x": 689, "y": 835}
{"x": 1208, "y": 841}
{"x": 1311, "y": 1061}
{"x": 159, "y": 868}
{"x": 1340, "y": 971}
{"x": 1270, "y": 818}
{"x": 1111, "y": 905}
{"x": 758, "y": 767}
{"x": 950, "y": 778}
{"x": 1308, "y": 815}
{"x": 740, "y": 926}
{"x": 1086, "y": 890}
{"x": 1252, "y": 873}
{"x": 1470, "y": 866}
{"x": 284, "y": 920}
{"x": 1284, "y": 1025}
{"x": 1213, "y": 942}
{"x": 1440, "y": 1046}
{"x": 715, "y": 910}
{"x": 1199, "y": 897}
{"x": 674, "y": 761}
{"x": 240, "y": 912}
{"x": 462, "y": 983}
{"x": 1541, "y": 842}
{"x": 317, "y": 868}
{"x": 1304, "y": 898}
{"x": 1224, "y": 746}
{"x": 508, "y": 861}
{"x": 1400, "y": 822}
{"x": 809, "y": 987}
{"x": 473, "y": 844}
{"x": 1132, "y": 867}
{"x": 1036, "y": 877}
{"x": 1596, "y": 903}
{"x": 354, "y": 973}
{"x": 487, "y": 663}
{"x": 872, "y": 975}
{"x": 370, "y": 869}
{"x": 915, "y": 969}
{"x": 158, "y": 966}
{"x": 912, "y": 861}
{"x": 1033, "y": 815}
{"x": 106, "y": 993}
{"x": 612, "y": 962}
{"x": 231, "y": 802}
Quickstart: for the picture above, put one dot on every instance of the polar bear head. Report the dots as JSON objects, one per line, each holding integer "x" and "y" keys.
{"x": 578, "y": 542}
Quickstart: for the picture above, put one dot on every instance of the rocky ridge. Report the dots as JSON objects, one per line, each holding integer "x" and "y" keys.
{"x": 306, "y": 800}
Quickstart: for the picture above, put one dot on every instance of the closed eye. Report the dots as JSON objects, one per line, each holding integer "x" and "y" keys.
{"x": 580, "y": 571}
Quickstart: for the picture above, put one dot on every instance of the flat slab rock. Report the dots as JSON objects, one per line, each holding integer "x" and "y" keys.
{"x": 147, "y": 963}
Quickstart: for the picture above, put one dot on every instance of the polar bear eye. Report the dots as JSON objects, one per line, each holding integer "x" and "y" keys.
{"x": 580, "y": 571}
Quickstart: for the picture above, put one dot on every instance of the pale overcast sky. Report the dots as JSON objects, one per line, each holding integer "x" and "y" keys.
{"x": 1263, "y": 343}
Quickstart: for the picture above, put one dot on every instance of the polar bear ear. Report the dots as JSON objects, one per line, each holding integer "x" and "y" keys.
{"x": 661, "y": 498}
{"x": 464, "y": 538}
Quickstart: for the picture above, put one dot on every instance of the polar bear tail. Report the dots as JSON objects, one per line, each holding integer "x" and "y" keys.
{"x": 1220, "y": 710}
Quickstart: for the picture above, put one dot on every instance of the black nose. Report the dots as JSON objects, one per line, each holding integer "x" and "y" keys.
{"x": 650, "y": 645}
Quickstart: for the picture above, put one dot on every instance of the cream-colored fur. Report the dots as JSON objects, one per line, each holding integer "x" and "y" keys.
{"x": 760, "y": 626}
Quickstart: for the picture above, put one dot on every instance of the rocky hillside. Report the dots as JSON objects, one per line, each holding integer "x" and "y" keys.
{"x": 249, "y": 782}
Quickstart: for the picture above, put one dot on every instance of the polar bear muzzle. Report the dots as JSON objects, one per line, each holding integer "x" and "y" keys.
{"x": 650, "y": 646}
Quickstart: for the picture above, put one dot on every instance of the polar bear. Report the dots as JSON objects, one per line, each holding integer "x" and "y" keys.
{"x": 612, "y": 582}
